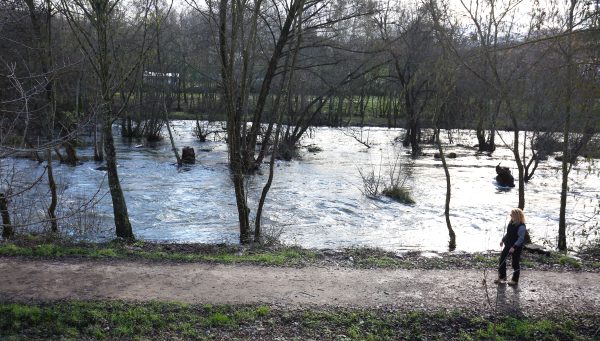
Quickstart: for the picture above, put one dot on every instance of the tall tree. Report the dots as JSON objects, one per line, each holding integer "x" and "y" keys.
{"x": 41, "y": 22}
{"x": 234, "y": 40}
{"x": 445, "y": 84}
{"x": 238, "y": 42}
{"x": 94, "y": 23}
{"x": 503, "y": 72}
{"x": 578, "y": 48}
{"x": 407, "y": 34}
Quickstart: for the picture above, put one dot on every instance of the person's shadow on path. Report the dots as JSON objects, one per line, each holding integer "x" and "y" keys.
{"x": 509, "y": 300}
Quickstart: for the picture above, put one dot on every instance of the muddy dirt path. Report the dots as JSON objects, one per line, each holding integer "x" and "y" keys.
{"x": 24, "y": 280}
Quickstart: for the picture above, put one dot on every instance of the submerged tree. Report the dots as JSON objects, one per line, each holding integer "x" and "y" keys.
{"x": 41, "y": 22}
{"x": 507, "y": 65}
{"x": 407, "y": 34}
{"x": 445, "y": 88}
{"x": 578, "y": 50}
{"x": 239, "y": 39}
{"x": 95, "y": 24}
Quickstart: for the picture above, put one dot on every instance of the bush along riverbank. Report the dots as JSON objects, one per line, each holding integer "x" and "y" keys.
{"x": 155, "y": 320}
{"x": 279, "y": 255}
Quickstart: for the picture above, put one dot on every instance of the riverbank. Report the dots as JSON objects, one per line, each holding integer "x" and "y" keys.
{"x": 52, "y": 288}
{"x": 47, "y": 246}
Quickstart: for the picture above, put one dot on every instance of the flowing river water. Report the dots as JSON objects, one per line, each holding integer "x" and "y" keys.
{"x": 317, "y": 200}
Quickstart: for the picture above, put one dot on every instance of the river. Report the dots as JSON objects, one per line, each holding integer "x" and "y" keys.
{"x": 316, "y": 201}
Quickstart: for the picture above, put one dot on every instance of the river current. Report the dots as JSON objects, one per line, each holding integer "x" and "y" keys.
{"x": 316, "y": 200}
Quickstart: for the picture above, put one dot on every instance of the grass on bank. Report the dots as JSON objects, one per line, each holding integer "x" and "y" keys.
{"x": 140, "y": 250}
{"x": 44, "y": 246}
{"x": 155, "y": 320}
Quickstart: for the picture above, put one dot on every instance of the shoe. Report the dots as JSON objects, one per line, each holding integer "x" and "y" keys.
{"x": 499, "y": 280}
{"x": 512, "y": 283}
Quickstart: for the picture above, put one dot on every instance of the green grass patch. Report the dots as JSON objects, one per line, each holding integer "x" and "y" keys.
{"x": 9, "y": 249}
{"x": 42, "y": 250}
{"x": 43, "y": 247}
{"x": 285, "y": 256}
{"x": 157, "y": 320}
{"x": 380, "y": 262}
{"x": 511, "y": 328}
{"x": 487, "y": 260}
{"x": 527, "y": 263}
{"x": 569, "y": 261}
{"x": 218, "y": 319}
{"x": 480, "y": 258}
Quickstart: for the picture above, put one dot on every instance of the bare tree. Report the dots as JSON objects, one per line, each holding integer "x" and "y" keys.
{"x": 505, "y": 66}
{"x": 165, "y": 97}
{"x": 238, "y": 36}
{"x": 445, "y": 84}
{"x": 94, "y": 24}
{"x": 408, "y": 35}
{"x": 575, "y": 19}
{"x": 42, "y": 30}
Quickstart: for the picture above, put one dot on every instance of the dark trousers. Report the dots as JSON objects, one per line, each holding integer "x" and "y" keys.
{"x": 516, "y": 260}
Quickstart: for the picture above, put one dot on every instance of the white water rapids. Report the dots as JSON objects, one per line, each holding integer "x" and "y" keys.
{"x": 316, "y": 201}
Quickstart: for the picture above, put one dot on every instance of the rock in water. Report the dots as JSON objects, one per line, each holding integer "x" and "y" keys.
{"x": 535, "y": 248}
{"x": 504, "y": 177}
{"x": 188, "y": 155}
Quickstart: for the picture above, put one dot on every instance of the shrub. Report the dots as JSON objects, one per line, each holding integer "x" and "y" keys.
{"x": 568, "y": 261}
{"x": 371, "y": 182}
{"x": 392, "y": 182}
{"x": 400, "y": 194}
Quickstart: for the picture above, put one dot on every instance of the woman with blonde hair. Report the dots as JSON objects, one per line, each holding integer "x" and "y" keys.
{"x": 512, "y": 242}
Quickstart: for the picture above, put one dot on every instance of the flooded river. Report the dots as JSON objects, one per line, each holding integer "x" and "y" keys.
{"x": 316, "y": 200}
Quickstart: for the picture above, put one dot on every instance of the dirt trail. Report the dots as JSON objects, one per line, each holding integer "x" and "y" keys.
{"x": 47, "y": 280}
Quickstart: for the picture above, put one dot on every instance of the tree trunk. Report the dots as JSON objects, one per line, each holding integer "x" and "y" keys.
{"x": 53, "y": 196}
{"x": 173, "y": 146}
{"x": 515, "y": 150}
{"x": 233, "y": 110}
{"x": 364, "y": 102}
{"x": 564, "y": 188}
{"x": 350, "y": 111}
{"x": 267, "y": 187}
{"x": 480, "y": 132}
{"x": 43, "y": 37}
{"x": 7, "y": 229}
{"x": 452, "y": 235}
{"x": 58, "y": 154}
{"x": 491, "y": 142}
{"x": 242, "y": 206}
{"x": 278, "y": 113}
{"x": 185, "y": 96}
{"x": 562, "y": 224}
{"x": 414, "y": 136}
{"x": 294, "y": 8}
{"x": 71, "y": 159}
{"x": 179, "y": 93}
{"x": 163, "y": 96}
{"x": 98, "y": 144}
{"x": 121, "y": 217}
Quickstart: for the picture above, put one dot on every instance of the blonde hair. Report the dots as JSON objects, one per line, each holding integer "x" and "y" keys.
{"x": 518, "y": 214}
